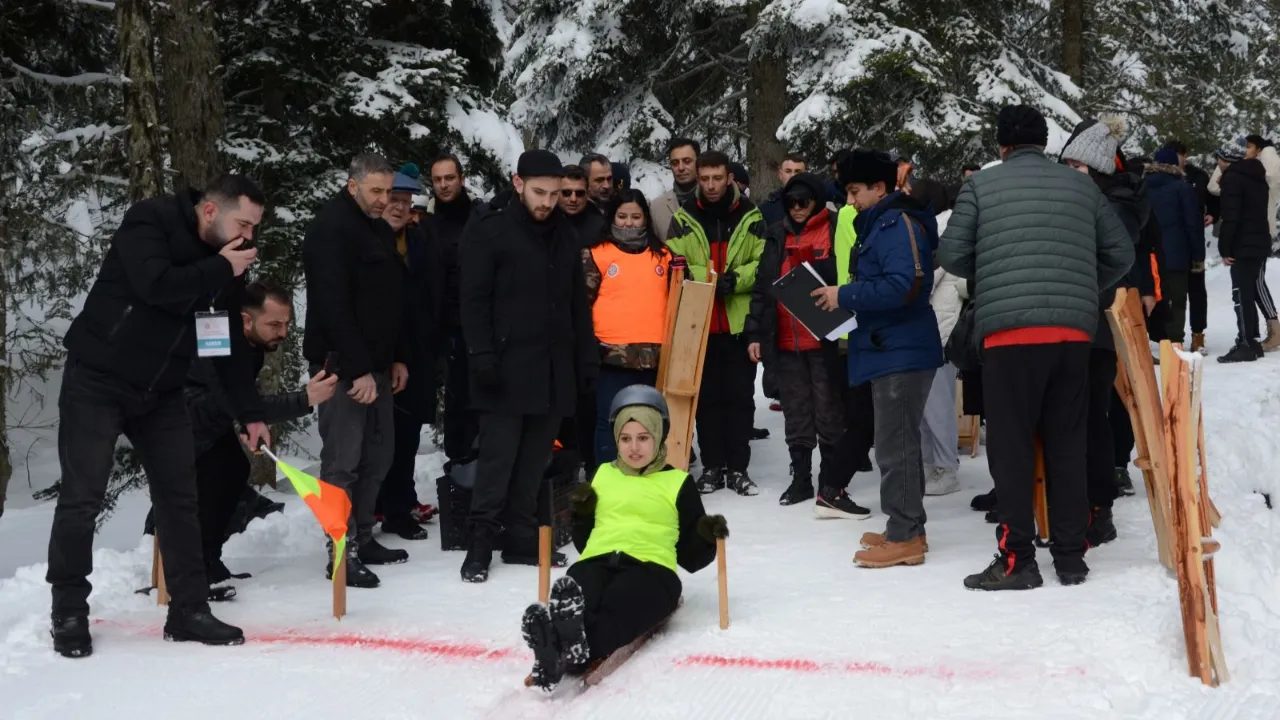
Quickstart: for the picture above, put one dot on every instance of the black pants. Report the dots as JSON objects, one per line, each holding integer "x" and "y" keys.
{"x": 1175, "y": 286}
{"x": 625, "y": 599}
{"x": 1044, "y": 388}
{"x": 769, "y": 381}
{"x": 1122, "y": 440}
{"x": 854, "y": 449}
{"x": 222, "y": 474}
{"x": 461, "y": 423}
{"x": 1244, "y": 294}
{"x": 399, "y": 495}
{"x": 1266, "y": 305}
{"x": 358, "y": 446}
{"x": 1101, "y": 452}
{"x": 514, "y": 452}
{"x": 1198, "y": 299}
{"x": 726, "y": 404}
{"x": 94, "y": 409}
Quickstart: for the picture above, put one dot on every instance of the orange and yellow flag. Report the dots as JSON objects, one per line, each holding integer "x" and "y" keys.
{"x": 331, "y": 505}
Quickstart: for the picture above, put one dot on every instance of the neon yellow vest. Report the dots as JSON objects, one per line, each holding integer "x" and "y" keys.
{"x": 636, "y": 515}
{"x": 846, "y": 240}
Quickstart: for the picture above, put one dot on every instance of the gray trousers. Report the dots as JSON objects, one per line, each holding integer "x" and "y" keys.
{"x": 899, "y": 406}
{"x": 939, "y": 434}
{"x": 358, "y": 447}
{"x": 812, "y": 411}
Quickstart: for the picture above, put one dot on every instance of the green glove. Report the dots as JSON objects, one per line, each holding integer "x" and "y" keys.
{"x": 1197, "y": 267}
{"x": 582, "y": 500}
{"x": 713, "y": 527}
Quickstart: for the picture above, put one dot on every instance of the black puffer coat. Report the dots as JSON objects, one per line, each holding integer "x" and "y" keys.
{"x": 1245, "y": 233}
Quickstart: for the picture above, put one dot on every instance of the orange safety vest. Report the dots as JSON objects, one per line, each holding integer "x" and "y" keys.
{"x": 631, "y": 305}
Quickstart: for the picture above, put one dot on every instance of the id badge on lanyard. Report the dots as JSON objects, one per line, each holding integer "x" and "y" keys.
{"x": 213, "y": 334}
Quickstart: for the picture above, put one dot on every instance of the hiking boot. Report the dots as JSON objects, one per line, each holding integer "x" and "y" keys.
{"x": 712, "y": 480}
{"x": 568, "y": 606}
{"x": 358, "y": 576}
{"x": 889, "y": 554}
{"x": 759, "y": 433}
{"x": 1102, "y": 529}
{"x": 199, "y": 625}
{"x": 940, "y": 481}
{"x": 1124, "y": 484}
{"x": 475, "y": 568}
{"x": 71, "y": 638}
{"x": 1272, "y": 341}
{"x": 1025, "y": 576}
{"x": 984, "y": 502}
{"x": 992, "y": 516}
{"x": 1243, "y": 352}
{"x": 405, "y": 527}
{"x": 801, "y": 487}
{"x": 540, "y": 635}
{"x": 1197, "y": 342}
{"x": 874, "y": 540}
{"x": 372, "y": 552}
{"x": 835, "y": 503}
{"x": 741, "y": 483}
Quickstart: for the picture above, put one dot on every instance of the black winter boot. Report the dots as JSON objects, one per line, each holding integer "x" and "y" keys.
{"x": 801, "y": 487}
{"x": 1101, "y": 528}
{"x": 984, "y": 502}
{"x": 1026, "y": 575}
{"x": 358, "y": 576}
{"x": 1124, "y": 483}
{"x": 712, "y": 480}
{"x": 475, "y": 568}
{"x": 568, "y": 607}
{"x": 372, "y": 552}
{"x": 199, "y": 625}
{"x": 1243, "y": 352}
{"x": 741, "y": 483}
{"x": 540, "y": 635}
{"x": 71, "y": 637}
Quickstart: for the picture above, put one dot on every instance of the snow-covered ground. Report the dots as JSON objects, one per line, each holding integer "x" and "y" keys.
{"x": 812, "y": 635}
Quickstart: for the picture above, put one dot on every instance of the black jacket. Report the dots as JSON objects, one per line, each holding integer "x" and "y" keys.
{"x": 1245, "y": 234}
{"x": 138, "y": 321}
{"x": 354, "y": 280}
{"x": 1175, "y": 207}
{"x": 761, "y": 324}
{"x": 525, "y": 311}
{"x": 210, "y": 408}
{"x": 423, "y": 338}
{"x": 589, "y": 225}
{"x": 1128, "y": 196}
{"x": 774, "y": 211}
{"x": 1209, "y": 203}
{"x": 447, "y": 224}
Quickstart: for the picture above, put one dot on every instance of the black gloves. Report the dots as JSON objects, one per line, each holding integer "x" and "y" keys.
{"x": 726, "y": 283}
{"x": 582, "y": 500}
{"x": 484, "y": 368}
{"x": 713, "y": 527}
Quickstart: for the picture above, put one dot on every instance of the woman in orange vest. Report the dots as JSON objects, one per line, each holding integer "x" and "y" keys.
{"x": 626, "y": 273}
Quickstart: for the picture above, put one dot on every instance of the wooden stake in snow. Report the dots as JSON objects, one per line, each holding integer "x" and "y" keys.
{"x": 544, "y": 564}
{"x": 723, "y": 578}
{"x": 340, "y": 586}
{"x": 157, "y": 571}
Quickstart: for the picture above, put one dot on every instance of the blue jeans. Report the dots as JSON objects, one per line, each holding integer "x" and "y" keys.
{"x": 612, "y": 380}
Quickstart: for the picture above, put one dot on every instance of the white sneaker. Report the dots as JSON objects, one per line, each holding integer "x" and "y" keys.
{"x": 941, "y": 481}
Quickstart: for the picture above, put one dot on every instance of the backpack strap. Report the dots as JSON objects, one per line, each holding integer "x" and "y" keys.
{"x": 914, "y": 292}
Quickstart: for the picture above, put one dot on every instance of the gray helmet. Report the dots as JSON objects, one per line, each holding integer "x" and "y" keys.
{"x": 646, "y": 395}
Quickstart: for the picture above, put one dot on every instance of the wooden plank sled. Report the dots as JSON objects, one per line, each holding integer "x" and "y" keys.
{"x": 684, "y": 350}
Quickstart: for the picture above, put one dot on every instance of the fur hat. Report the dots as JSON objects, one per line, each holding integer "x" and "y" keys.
{"x": 1094, "y": 143}
{"x": 1021, "y": 125}
{"x": 868, "y": 167}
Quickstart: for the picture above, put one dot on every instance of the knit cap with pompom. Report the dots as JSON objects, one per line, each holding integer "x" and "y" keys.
{"x": 1094, "y": 143}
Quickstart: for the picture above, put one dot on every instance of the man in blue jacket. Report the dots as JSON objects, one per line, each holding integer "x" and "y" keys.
{"x": 896, "y": 345}
{"x": 1176, "y": 207}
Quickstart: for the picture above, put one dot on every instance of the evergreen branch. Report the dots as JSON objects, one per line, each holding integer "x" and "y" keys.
{"x": 99, "y": 4}
{"x": 731, "y": 97}
{"x": 81, "y": 79}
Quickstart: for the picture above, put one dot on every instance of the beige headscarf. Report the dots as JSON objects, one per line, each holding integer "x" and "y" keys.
{"x": 651, "y": 419}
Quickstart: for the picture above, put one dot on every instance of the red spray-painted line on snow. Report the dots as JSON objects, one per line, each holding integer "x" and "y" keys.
{"x": 939, "y": 672}
{"x": 459, "y": 651}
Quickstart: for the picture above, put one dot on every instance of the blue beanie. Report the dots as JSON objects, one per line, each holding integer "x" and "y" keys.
{"x": 1232, "y": 151}
{"x": 406, "y": 179}
{"x": 1166, "y": 156}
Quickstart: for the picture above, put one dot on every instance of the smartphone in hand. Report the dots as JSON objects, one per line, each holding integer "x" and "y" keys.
{"x": 331, "y": 363}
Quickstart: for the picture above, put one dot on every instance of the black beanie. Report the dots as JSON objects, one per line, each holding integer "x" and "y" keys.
{"x": 1021, "y": 125}
{"x": 740, "y": 174}
{"x": 539, "y": 163}
{"x": 868, "y": 167}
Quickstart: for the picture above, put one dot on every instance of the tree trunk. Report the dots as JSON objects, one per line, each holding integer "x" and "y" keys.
{"x": 192, "y": 79}
{"x": 766, "y": 109}
{"x": 136, "y": 46}
{"x": 1073, "y": 40}
{"x": 6, "y": 467}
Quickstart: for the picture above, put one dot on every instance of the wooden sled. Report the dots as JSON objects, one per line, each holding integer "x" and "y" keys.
{"x": 684, "y": 348}
{"x": 597, "y": 671}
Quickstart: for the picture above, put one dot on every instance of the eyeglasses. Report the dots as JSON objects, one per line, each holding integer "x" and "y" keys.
{"x": 572, "y": 193}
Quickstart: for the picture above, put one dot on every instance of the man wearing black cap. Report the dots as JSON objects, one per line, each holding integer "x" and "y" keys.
{"x": 1050, "y": 243}
{"x": 531, "y": 350}
{"x": 741, "y": 178}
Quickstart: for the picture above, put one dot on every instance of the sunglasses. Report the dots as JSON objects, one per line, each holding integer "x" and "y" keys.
{"x": 798, "y": 202}
{"x": 572, "y": 193}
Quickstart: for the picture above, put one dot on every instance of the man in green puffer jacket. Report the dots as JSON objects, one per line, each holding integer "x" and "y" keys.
{"x": 720, "y": 231}
{"x": 1041, "y": 241}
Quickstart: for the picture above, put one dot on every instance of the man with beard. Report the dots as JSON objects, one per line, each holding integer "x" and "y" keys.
{"x": 354, "y": 310}
{"x": 222, "y": 468}
{"x": 532, "y": 351}
{"x": 454, "y": 206}
{"x": 682, "y": 154}
{"x": 599, "y": 178}
{"x": 161, "y": 299}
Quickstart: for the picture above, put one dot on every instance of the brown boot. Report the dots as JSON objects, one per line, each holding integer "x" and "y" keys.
{"x": 1197, "y": 342}
{"x": 874, "y": 540}
{"x": 889, "y": 554}
{"x": 1272, "y": 340}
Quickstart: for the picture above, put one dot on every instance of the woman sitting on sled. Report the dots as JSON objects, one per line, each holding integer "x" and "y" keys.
{"x": 632, "y": 524}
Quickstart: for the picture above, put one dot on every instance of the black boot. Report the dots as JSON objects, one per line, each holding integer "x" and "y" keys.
{"x": 358, "y": 576}
{"x": 1026, "y": 575}
{"x": 834, "y": 502}
{"x": 199, "y": 625}
{"x": 984, "y": 502}
{"x": 1124, "y": 484}
{"x": 801, "y": 487}
{"x": 1101, "y": 528}
{"x": 475, "y": 568}
{"x": 372, "y": 552}
{"x": 540, "y": 635}
{"x": 712, "y": 480}
{"x": 741, "y": 483}
{"x": 404, "y": 527}
{"x": 568, "y": 607}
{"x": 71, "y": 637}
{"x": 1243, "y": 352}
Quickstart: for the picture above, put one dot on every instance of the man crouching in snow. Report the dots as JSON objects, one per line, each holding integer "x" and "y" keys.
{"x": 896, "y": 344}
{"x": 632, "y": 523}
